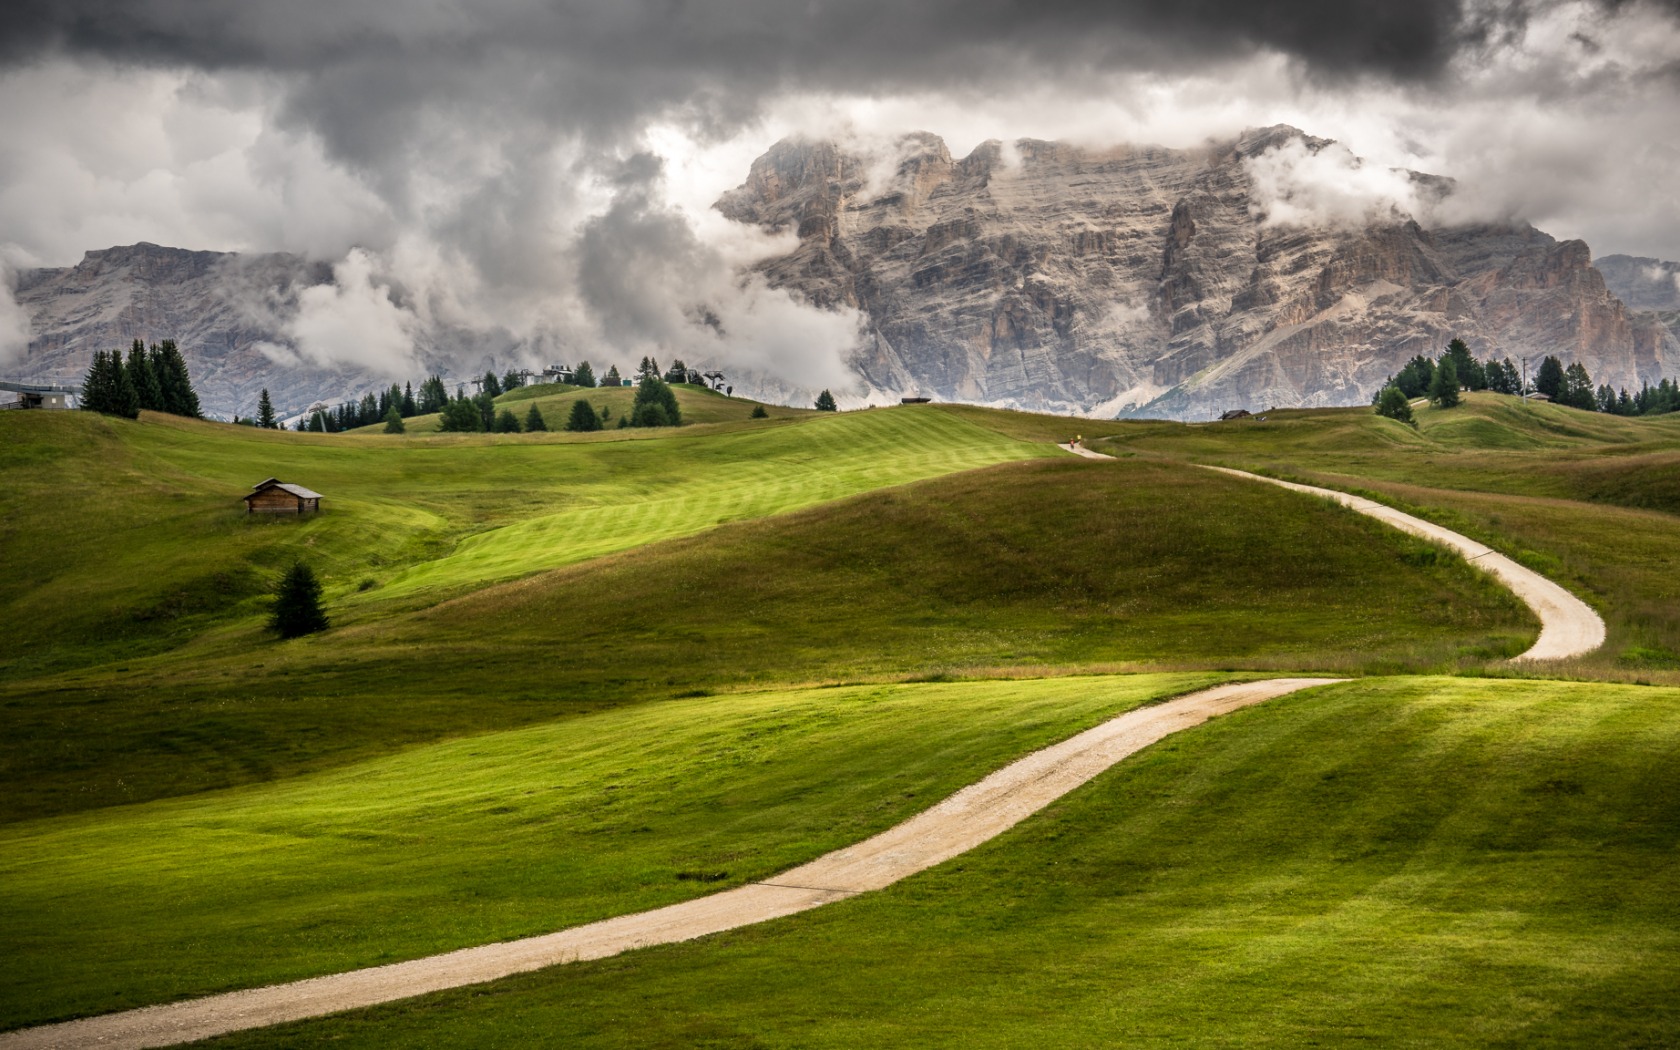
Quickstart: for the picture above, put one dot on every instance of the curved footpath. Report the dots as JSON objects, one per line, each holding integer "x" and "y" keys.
{"x": 1568, "y": 625}
{"x": 966, "y": 819}
{"x": 971, "y": 816}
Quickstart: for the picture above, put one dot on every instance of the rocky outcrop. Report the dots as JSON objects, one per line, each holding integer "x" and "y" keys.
{"x": 1649, "y": 286}
{"x": 227, "y": 311}
{"x": 1140, "y": 280}
{"x": 218, "y": 306}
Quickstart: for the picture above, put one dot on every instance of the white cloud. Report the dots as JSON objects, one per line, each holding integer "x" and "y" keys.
{"x": 14, "y": 319}
{"x": 353, "y": 322}
{"x": 1296, "y": 185}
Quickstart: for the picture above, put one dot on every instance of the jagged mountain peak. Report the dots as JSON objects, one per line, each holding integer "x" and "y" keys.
{"x": 1063, "y": 276}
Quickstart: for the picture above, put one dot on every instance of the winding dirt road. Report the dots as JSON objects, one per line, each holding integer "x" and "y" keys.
{"x": 971, "y": 816}
{"x": 1568, "y": 626}
{"x": 966, "y": 819}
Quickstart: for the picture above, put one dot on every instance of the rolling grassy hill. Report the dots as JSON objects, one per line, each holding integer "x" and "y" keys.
{"x": 131, "y": 537}
{"x": 1414, "y": 862}
{"x": 1589, "y": 499}
{"x": 570, "y": 676}
{"x": 1021, "y": 568}
{"x": 498, "y": 835}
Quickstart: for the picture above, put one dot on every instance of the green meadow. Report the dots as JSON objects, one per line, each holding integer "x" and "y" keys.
{"x": 1394, "y": 862}
{"x": 574, "y": 676}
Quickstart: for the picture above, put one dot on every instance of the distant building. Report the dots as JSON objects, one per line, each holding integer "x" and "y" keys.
{"x": 276, "y": 497}
{"x": 1235, "y": 413}
{"x": 914, "y": 400}
{"x": 32, "y": 395}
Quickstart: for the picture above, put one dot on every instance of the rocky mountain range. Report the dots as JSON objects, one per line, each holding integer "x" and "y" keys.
{"x": 1150, "y": 281}
{"x": 216, "y": 305}
{"x": 1040, "y": 275}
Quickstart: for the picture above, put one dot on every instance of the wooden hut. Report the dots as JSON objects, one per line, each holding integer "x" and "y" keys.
{"x": 276, "y": 497}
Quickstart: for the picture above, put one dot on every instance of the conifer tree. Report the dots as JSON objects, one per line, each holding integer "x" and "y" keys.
{"x": 656, "y": 405}
{"x": 825, "y": 402}
{"x": 433, "y": 395}
{"x": 145, "y": 381}
{"x": 534, "y": 422}
{"x": 1393, "y": 404}
{"x": 461, "y": 415}
{"x": 265, "y": 411}
{"x": 1471, "y": 375}
{"x": 1443, "y": 389}
{"x": 612, "y": 377}
{"x": 583, "y": 418}
{"x": 1549, "y": 380}
{"x": 297, "y": 604}
{"x": 585, "y": 376}
{"x": 758, "y": 412}
{"x": 1414, "y": 378}
{"x": 1577, "y": 389}
{"x": 99, "y": 385}
{"x": 408, "y": 406}
{"x": 491, "y": 385}
{"x": 507, "y": 422}
{"x": 394, "y": 421}
{"x": 179, "y": 397}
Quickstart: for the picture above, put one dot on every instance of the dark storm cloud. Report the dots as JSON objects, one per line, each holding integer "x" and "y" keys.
{"x": 657, "y": 51}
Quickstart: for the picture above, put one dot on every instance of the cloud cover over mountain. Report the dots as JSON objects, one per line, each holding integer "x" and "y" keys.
{"x": 544, "y": 170}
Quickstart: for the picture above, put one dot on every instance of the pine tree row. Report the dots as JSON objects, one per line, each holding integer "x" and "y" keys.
{"x": 1456, "y": 370}
{"x": 152, "y": 379}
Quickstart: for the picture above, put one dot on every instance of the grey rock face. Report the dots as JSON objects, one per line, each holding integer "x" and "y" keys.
{"x": 1141, "y": 280}
{"x": 222, "y": 308}
{"x": 1651, "y": 286}
{"x": 208, "y": 302}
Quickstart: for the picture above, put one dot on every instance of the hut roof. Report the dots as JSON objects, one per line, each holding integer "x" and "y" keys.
{"x": 275, "y": 483}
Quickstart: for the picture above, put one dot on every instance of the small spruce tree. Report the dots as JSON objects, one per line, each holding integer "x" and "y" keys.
{"x": 179, "y": 396}
{"x": 393, "y": 421}
{"x": 144, "y": 379}
{"x": 507, "y": 422}
{"x": 461, "y": 416}
{"x": 825, "y": 402}
{"x": 1549, "y": 380}
{"x": 534, "y": 422}
{"x": 1443, "y": 389}
{"x": 1393, "y": 404}
{"x": 654, "y": 392}
{"x": 758, "y": 412}
{"x": 583, "y": 418}
{"x": 297, "y": 603}
{"x": 265, "y": 411}
{"x": 583, "y": 375}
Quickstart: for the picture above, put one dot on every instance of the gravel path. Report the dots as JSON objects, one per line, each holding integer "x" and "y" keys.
{"x": 961, "y": 822}
{"x": 1568, "y": 625}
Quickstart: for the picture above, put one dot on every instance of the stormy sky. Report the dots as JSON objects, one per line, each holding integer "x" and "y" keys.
{"x": 546, "y": 168}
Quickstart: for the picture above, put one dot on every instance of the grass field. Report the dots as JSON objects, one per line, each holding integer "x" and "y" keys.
{"x": 1589, "y": 499}
{"x": 133, "y": 537}
{"x": 1021, "y": 568}
{"x": 497, "y": 836}
{"x": 1416, "y": 862}
{"x": 572, "y": 676}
